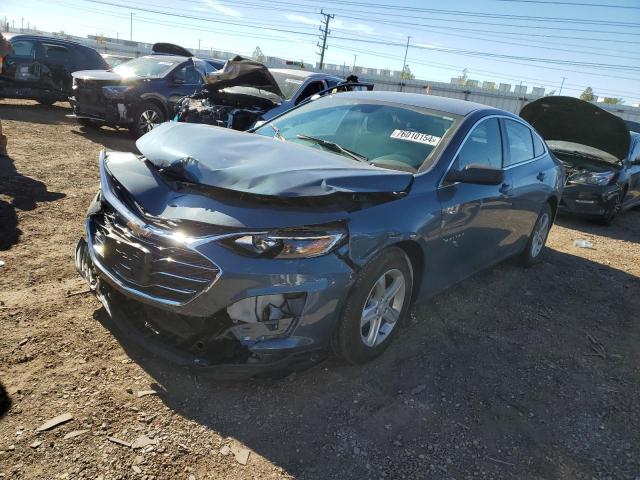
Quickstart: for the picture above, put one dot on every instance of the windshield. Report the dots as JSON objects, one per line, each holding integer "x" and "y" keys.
{"x": 289, "y": 84}
{"x": 388, "y": 135}
{"x": 147, "y": 67}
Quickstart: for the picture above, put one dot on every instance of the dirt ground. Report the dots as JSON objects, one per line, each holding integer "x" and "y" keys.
{"x": 512, "y": 374}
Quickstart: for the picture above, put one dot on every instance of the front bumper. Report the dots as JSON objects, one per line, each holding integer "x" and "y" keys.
{"x": 107, "y": 111}
{"x": 199, "y": 333}
{"x": 589, "y": 200}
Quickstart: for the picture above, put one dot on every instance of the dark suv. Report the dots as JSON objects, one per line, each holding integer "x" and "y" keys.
{"x": 141, "y": 93}
{"x": 40, "y": 68}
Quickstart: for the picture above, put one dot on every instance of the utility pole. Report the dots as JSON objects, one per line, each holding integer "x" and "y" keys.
{"x": 22, "y": 25}
{"x": 324, "y": 29}
{"x": 355, "y": 57}
{"x": 199, "y": 40}
{"x": 562, "y": 85}
{"x": 404, "y": 63}
{"x": 131, "y": 26}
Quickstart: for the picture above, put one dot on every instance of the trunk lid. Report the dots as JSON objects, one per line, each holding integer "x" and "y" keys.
{"x": 568, "y": 119}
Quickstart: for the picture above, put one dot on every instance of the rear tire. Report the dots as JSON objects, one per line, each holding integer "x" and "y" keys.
{"x": 537, "y": 240}
{"x": 377, "y": 304}
{"x": 148, "y": 115}
{"x": 47, "y": 102}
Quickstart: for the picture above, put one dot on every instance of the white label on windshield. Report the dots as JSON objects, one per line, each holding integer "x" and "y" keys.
{"x": 165, "y": 63}
{"x": 291, "y": 80}
{"x": 416, "y": 137}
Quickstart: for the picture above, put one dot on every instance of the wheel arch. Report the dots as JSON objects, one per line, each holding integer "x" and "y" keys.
{"x": 157, "y": 101}
{"x": 416, "y": 257}
{"x": 553, "y": 204}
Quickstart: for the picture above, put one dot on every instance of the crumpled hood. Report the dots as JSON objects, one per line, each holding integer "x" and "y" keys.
{"x": 569, "y": 119}
{"x": 251, "y": 163}
{"x": 242, "y": 72}
{"x": 102, "y": 75}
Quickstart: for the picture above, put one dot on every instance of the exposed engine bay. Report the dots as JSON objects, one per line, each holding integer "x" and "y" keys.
{"x": 233, "y": 107}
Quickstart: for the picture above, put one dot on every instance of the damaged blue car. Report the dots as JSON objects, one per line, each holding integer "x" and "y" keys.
{"x": 263, "y": 250}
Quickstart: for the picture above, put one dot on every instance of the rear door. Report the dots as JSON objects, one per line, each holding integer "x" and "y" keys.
{"x": 474, "y": 217}
{"x": 529, "y": 170}
{"x": 57, "y": 62}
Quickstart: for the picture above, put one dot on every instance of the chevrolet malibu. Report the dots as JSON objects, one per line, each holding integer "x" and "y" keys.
{"x": 263, "y": 250}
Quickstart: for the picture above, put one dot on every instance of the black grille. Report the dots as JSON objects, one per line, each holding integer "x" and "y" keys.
{"x": 153, "y": 266}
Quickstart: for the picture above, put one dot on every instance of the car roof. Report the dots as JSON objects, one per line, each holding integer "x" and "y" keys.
{"x": 453, "y": 106}
{"x": 22, "y": 36}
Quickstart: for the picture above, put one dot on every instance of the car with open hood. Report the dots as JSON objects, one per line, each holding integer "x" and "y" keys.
{"x": 140, "y": 93}
{"x": 599, "y": 151}
{"x": 246, "y": 251}
{"x": 40, "y": 68}
{"x": 245, "y": 92}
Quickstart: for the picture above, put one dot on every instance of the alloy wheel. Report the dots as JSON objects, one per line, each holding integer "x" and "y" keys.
{"x": 540, "y": 235}
{"x": 383, "y": 307}
{"x": 148, "y": 120}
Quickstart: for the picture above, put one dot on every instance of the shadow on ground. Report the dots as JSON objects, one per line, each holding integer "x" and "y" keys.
{"x": 110, "y": 138}
{"x": 33, "y": 112}
{"x": 507, "y": 375}
{"x": 625, "y": 227}
{"x": 24, "y": 194}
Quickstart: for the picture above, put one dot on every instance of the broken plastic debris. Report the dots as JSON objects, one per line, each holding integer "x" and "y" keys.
{"x": 582, "y": 243}
{"x": 1, "y": 263}
{"x": 144, "y": 393}
{"x": 54, "y": 422}
{"x": 241, "y": 454}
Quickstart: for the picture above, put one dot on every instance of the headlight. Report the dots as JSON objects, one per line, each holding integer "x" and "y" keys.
{"x": 592, "y": 178}
{"x": 116, "y": 91}
{"x": 287, "y": 245}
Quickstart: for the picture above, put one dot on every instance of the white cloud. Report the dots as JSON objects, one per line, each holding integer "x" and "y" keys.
{"x": 302, "y": 19}
{"x": 220, "y": 8}
{"x": 352, "y": 27}
{"x": 335, "y": 24}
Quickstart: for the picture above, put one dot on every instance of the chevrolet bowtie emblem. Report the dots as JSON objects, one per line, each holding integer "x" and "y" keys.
{"x": 139, "y": 230}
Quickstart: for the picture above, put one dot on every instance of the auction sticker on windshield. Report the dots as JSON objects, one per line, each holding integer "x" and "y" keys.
{"x": 417, "y": 137}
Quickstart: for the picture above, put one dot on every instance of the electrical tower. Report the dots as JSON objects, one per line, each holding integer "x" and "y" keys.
{"x": 324, "y": 29}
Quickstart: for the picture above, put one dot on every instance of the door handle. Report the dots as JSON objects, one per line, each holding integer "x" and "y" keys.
{"x": 540, "y": 176}
{"x": 505, "y": 188}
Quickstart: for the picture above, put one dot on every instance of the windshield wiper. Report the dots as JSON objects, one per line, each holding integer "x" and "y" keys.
{"x": 277, "y": 133}
{"x": 335, "y": 147}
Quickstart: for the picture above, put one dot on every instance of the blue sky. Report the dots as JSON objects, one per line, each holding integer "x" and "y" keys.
{"x": 607, "y": 38}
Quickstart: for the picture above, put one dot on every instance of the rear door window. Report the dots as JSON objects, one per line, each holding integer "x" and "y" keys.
{"x": 519, "y": 142}
{"x": 482, "y": 147}
{"x": 538, "y": 145}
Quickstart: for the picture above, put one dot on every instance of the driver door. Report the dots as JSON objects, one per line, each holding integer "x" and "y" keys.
{"x": 185, "y": 80}
{"x": 474, "y": 221}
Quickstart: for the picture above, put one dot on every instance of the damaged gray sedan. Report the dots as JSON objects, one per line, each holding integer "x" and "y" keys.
{"x": 260, "y": 251}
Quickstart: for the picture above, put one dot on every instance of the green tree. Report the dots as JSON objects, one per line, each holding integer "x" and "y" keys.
{"x": 406, "y": 74}
{"x": 613, "y": 100}
{"x": 587, "y": 95}
{"x": 258, "y": 56}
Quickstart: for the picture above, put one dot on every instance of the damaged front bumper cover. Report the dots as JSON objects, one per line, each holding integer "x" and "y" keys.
{"x": 109, "y": 112}
{"x": 589, "y": 201}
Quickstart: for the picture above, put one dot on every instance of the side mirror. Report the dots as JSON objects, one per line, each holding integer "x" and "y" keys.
{"x": 478, "y": 174}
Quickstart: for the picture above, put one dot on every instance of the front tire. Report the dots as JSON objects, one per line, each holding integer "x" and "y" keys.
{"x": 537, "y": 240}
{"x": 148, "y": 115}
{"x": 378, "y": 302}
{"x": 616, "y": 209}
{"x": 47, "y": 102}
